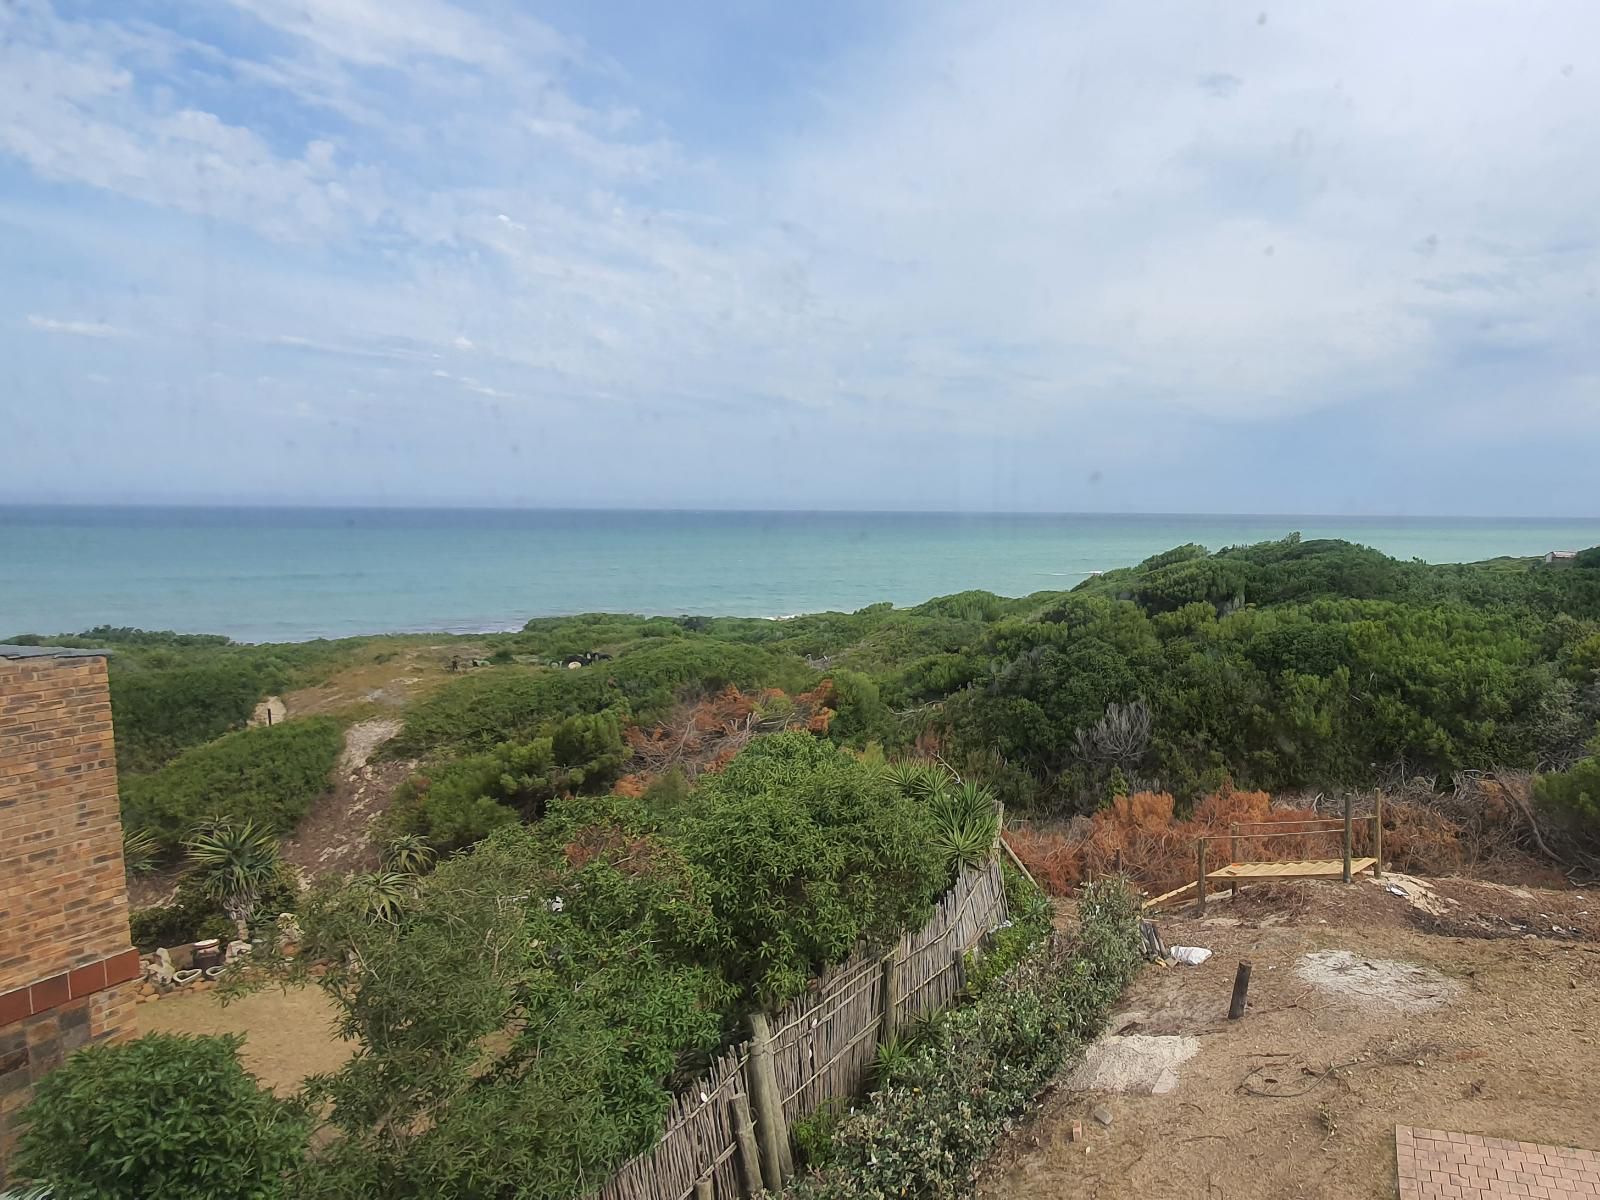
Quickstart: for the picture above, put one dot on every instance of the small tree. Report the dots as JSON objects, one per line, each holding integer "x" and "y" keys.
{"x": 236, "y": 864}
{"x": 165, "y": 1115}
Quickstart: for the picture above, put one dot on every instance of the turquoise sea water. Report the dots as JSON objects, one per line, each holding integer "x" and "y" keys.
{"x": 285, "y": 574}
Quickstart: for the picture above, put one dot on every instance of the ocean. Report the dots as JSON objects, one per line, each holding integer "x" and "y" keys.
{"x": 290, "y": 574}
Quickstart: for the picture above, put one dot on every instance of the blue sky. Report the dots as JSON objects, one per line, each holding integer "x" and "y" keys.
{"x": 1320, "y": 257}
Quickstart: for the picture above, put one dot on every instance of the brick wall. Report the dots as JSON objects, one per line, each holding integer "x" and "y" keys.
{"x": 65, "y": 958}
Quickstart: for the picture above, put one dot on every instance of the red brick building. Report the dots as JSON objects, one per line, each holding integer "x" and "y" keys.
{"x": 66, "y": 964}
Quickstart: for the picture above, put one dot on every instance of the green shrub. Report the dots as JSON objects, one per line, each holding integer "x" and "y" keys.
{"x": 1572, "y": 798}
{"x": 513, "y": 1045}
{"x": 860, "y": 713}
{"x": 490, "y": 707}
{"x": 1030, "y": 921}
{"x": 165, "y": 1115}
{"x": 457, "y": 803}
{"x": 159, "y": 714}
{"x": 942, "y": 1111}
{"x": 808, "y": 852}
{"x": 268, "y": 775}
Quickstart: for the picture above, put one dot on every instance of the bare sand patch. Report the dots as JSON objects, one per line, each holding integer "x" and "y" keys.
{"x": 1384, "y": 981}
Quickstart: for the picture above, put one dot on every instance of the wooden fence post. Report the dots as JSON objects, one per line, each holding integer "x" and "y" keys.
{"x": 702, "y": 1190}
{"x": 1233, "y": 853}
{"x": 1377, "y": 838}
{"x": 1347, "y": 839}
{"x": 958, "y": 964}
{"x": 744, "y": 1130}
{"x": 891, "y": 994}
{"x": 1200, "y": 853}
{"x": 1241, "y": 989}
{"x": 777, "y": 1160}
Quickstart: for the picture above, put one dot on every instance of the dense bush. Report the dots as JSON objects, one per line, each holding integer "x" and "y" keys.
{"x": 927, "y": 1127}
{"x": 268, "y": 775}
{"x": 171, "y": 691}
{"x": 461, "y": 801}
{"x": 164, "y": 1115}
{"x": 488, "y": 708}
{"x": 521, "y": 1021}
{"x": 1572, "y": 798}
{"x": 159, "y": 714}
{"x": 517, "y": 704}
{"x": 807, "y": 853}
{"x": 528, "y": 1009}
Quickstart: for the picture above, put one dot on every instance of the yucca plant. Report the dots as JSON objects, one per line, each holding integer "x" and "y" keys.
{"x": 382, "y": 895}
{"x": 894, "y": 1055}
{"x": 917, "y": 778}
{"x": 965, "y": 824}
{"x": 236, "y": 862}
{"x": 902, "y": 775}
{"x": 139, "y": 850}
{"x": 408, "y": 854}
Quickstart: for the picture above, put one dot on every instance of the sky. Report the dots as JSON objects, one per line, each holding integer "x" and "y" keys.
{"x": 1060, "y": 256}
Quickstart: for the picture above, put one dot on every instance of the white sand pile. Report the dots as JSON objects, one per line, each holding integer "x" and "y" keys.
{"x": 1377, "y": 981}
{"x": 1139, "y": 1064}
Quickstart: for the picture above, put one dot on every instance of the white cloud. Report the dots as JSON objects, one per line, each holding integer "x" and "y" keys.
{"x": 1029, "y": 217}
{"x": 89, "y": 329}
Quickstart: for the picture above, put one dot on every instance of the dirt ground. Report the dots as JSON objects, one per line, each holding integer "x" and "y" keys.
{"x": 386, "y": 675}
{"x": 1367, "y": 1010}
{"x": 334, "y": 835}
{"x": 288, "y": 1034}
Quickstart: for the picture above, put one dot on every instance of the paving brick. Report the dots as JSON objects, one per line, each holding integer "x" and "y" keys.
{"x": 1433, "y": 1164}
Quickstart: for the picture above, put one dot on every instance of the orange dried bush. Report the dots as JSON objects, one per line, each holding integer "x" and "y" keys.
{"x": 1419, "y": 840}
{"x": 628, "y": 853}
{"x": 703, "y": 735}
{"x": 1157, "y": 850}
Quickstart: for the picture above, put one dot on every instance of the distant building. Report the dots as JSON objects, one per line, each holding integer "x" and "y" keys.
{"x": 1560, "y": 558}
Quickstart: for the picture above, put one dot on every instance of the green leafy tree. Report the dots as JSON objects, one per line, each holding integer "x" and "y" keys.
{"x": 807, "y": 852}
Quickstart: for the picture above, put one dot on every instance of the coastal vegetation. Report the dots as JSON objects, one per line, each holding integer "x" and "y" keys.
{"x": 595, "y": 872}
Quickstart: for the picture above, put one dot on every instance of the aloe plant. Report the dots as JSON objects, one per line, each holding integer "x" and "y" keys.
{"x": 408, "y": 854}
{"x": 383, "y": 895}
{"x": 236, "y": 863}
{"x": 139, "y": 850}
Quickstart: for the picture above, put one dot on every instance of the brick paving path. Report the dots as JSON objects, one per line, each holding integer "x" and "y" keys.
{"x": 1435, "y": 1165}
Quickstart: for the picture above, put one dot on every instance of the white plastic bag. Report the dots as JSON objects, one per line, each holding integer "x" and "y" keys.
{"x": 1190, "y": 956}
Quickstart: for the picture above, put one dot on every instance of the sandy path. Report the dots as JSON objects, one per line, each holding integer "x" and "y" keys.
{"x": 335, "y": 835}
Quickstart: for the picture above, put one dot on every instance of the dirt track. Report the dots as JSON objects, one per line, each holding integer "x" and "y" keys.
{"x": 1300, "y": 1098}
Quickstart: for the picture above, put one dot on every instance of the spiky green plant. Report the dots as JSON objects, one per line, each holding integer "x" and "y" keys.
{"x": 903, "y": 775}
{"x": 929, "y": 779}
{"x": 408, "y": 854}
{"x": 139, "y": 851}
{"x": 965, "y": 824}
{"x": 382, "y": 895}
{"x": 236, "y": 862}
{"x": 894, "y": 1055}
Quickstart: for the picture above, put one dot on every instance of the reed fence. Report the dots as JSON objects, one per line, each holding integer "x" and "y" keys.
{"x": 728, "y": 1132}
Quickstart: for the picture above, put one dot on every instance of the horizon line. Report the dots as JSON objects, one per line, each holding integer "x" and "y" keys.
{"x": 358, "y": 506}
